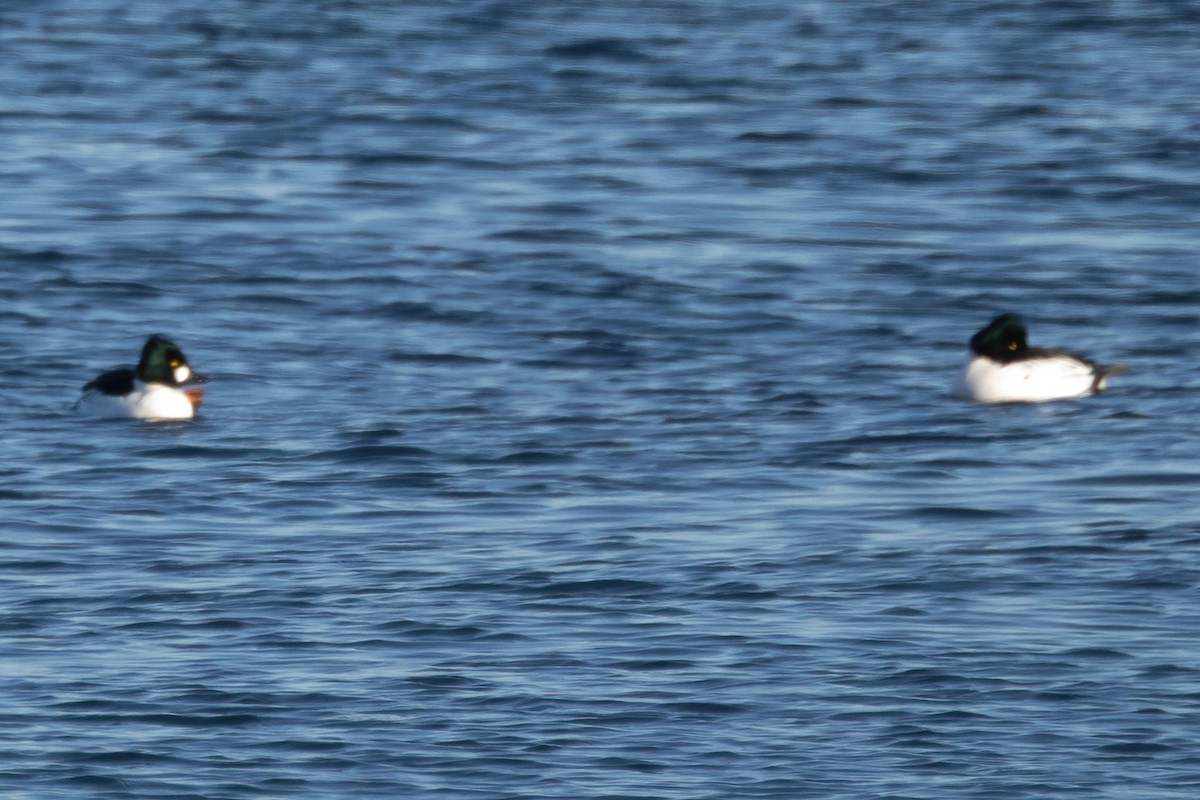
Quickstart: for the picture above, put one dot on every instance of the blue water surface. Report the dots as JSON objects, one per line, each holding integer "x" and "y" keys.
{"x": 580, "y": 421}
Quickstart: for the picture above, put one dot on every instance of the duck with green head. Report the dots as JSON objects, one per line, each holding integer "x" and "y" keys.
{"x": 153, "y": 390}
{"x": 1004, "y": 369}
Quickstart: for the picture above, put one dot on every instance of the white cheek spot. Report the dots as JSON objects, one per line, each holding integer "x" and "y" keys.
{"x": 182, "y": 373}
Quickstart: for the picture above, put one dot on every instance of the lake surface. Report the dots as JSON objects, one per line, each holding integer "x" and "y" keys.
{"x": 580, "y": 421}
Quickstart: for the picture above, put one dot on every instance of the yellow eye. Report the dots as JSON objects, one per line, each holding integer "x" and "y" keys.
{"x": 174, "y": 362}
{"x": 1012, "y": 345}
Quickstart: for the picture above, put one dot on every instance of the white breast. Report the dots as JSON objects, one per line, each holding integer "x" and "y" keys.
{"x": 1032, "y": 381}
{"x": 147, "y": 401}
{"x": 163, "y": 402}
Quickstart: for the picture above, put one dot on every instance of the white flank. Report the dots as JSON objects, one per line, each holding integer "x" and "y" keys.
{"x": 1033, "y": 381}
{"x": 147, "y": 401}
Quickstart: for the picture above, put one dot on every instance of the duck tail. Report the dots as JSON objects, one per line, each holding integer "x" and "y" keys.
{"x": 1104, "y": 373}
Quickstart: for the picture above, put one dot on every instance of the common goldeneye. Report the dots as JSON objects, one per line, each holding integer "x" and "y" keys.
{"x": 1005, "y": 369}
{"x": 151, "y": 390}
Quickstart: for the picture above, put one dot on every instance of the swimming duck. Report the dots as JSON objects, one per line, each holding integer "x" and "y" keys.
{"x": 1005, "y": 369}
{"x": 149, "y": 391}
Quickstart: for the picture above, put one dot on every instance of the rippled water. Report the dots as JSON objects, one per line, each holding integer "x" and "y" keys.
{"x": 580, "y": 422}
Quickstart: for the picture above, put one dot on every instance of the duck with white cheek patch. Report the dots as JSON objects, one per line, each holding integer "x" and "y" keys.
{"x": 153, "y": 390}
{"x": 1005, "y": 369}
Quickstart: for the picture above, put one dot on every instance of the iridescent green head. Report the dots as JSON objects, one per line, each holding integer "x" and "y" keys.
{"x": 1004, "y": 339}
{"x": 163, "y": 362}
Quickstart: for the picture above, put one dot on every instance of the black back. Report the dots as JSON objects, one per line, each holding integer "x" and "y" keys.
{"x": 115, "y": 382}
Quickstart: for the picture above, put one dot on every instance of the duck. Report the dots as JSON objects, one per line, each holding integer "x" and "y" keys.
{"x": 153, "y": 390}
{"x": 1003, "y": 368}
